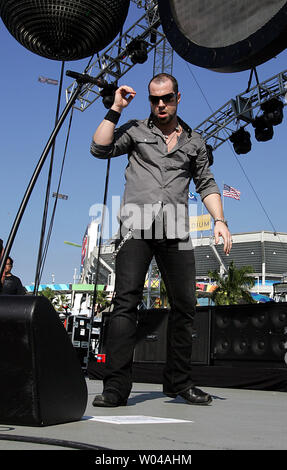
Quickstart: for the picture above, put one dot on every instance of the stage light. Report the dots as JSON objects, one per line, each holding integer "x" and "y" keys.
{"x": 273, "y": 111}
{"x": 263, "y": 129}
{"x": 137, "y": 51}
{"x": 108, "y": 94}
{"x": 241, "y": 141}
{"x": 64, "y": 30}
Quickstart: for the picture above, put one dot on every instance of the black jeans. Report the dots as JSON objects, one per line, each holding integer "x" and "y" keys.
{"x": 177, "y": 267}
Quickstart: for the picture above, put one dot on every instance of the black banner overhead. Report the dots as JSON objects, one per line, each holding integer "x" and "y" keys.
{"x": 225, "y": 35}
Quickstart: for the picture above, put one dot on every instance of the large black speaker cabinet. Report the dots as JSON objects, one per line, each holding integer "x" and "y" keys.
{"x": 224, "y": 35}
{"x": 151, "y": 335}
{"x": 250, "y": 333}
{"x": 151, "y": 339}
{"x": 41, "y": 378}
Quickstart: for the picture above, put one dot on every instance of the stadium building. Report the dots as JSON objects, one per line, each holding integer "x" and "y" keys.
{"x": 265, "y": 251}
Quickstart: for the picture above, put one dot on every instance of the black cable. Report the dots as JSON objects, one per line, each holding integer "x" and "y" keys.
{"x": 46, "y": 204}
{"x": 51, "y": 442}
{"x": 239, "y": 163}
{"x": 95, "y": 295}
{"x": 252, "y": 187}
{"x": 45, "y": 251}
{"x": 33, "y": 180}
{"x": 101, "y": 233}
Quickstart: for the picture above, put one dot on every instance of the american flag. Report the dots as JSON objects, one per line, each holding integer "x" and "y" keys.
{"x": 228, "y": 191}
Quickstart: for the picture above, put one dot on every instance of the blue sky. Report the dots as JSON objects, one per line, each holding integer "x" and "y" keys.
{"x": 28, "y": 110}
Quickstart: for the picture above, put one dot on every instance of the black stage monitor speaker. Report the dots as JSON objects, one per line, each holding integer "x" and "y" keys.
{"x": 41, "y": 378}
{"x": 64, "y": 29}
{"x": 254, "y": 333}
{"x": 225, "y": 35}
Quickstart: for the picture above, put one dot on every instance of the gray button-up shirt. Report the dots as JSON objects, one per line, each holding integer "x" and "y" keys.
{"x": 157, "y": 181}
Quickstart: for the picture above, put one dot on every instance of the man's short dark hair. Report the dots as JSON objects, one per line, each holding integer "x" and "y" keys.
{"x": 160, "y": 77}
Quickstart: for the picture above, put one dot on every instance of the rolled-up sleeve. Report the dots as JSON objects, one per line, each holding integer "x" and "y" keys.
{"x": 121, "y": 144}
{"x": 203, "y": 178}
{"x": 101, "y": 151}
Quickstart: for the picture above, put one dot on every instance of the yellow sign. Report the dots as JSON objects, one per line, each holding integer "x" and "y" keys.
{"x": 200, "y": 222}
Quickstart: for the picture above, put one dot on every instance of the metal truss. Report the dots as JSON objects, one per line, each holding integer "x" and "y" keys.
{"x": 163, "y": 58}
{"x": 240, "y": 112}
{"x": 115, "y": 62}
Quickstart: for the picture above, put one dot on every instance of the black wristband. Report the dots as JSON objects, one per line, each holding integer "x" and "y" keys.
{"x": 112, "y": 116}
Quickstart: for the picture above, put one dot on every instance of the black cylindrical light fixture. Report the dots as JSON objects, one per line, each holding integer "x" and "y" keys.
{"x": 241, "y": 141}
{"x": 263, "y": 129}
{"x": 273, "y": 111}
{"x": 64, "y": 29}
{"x": 137, "y": 51}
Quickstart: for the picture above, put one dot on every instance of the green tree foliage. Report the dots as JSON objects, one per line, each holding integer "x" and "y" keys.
{"x": 233, "y": 287}
{"x": 57, "y": 300}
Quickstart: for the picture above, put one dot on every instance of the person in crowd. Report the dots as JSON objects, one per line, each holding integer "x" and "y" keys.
{"x": 11, "y": 285}
{"x": 164, "y": 155}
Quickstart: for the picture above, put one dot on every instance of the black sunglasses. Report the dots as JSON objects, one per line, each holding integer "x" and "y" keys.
{"x": 165, "y": 98}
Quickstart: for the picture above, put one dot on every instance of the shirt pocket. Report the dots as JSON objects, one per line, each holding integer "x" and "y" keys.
{"x": 184, "y": 157}
{"x": 146, "y": 147}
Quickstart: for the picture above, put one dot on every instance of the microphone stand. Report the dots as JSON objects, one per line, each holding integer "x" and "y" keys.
{"x": 36, "y": 173}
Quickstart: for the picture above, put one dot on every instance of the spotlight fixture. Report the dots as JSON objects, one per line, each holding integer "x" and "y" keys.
{"x": 241, "y": 141}
{"x": 108, "y": 94}
{"x": 263, "y": 129}
{"x": 137, "y": 51}
{"x": 273, "y": 111}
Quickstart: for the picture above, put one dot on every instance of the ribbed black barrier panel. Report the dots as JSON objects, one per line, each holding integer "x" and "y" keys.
{"x": 151, "y": 335}
{"x": 41, "y": 378}
{"x": 151, "y": 342}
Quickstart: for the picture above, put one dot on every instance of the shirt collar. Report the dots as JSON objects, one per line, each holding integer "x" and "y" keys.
{"x": 184, "y": 126}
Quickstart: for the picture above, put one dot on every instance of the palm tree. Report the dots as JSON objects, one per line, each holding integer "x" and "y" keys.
{"x": 61, "y": 302}
{"x": 101, "y": 299}
{"x": 57, "y": 300}
{"x": 49, "y": 293}
{"x": 233, "y": 287}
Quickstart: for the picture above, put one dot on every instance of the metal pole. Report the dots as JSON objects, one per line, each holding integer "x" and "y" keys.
{"x": 35, "y": 175}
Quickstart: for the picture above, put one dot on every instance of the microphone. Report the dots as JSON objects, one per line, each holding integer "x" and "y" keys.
{"x": 86, "y": 78}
